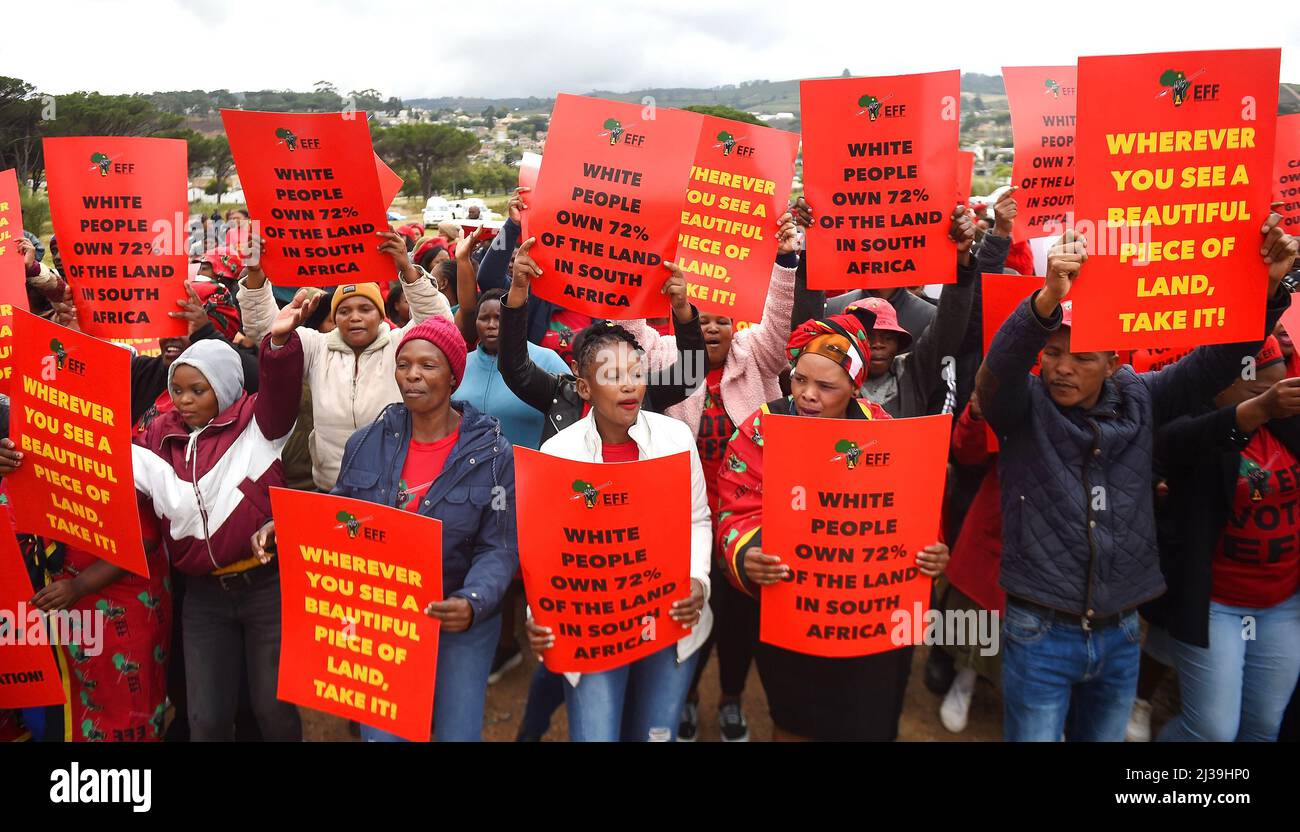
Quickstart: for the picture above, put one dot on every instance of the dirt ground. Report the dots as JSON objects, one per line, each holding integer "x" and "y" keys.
{"x": 920, "y": 722}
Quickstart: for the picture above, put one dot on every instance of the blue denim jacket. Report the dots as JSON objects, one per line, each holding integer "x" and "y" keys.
{"x": 480, "y": 552}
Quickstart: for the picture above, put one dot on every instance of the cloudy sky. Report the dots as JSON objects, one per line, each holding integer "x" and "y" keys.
{"x": 413, "y": 49}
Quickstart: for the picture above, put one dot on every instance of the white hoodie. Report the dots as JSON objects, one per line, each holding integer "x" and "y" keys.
{"x": 347, "y": 391}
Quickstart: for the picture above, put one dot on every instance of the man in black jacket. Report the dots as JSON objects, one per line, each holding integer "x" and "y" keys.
{"x": 1079, "y": 542}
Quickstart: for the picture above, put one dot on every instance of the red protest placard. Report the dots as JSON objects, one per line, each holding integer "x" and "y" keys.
{"x": 29, "y": 677}
{"x": 70, "y": 416}
{"x": 119, "y": 209}
{"x": 1175, "y": 166}
{"x": 390, "y": 184}
{"x": 965, "y": 173}
{"x": 739, "y": 186}
{"x": 13, "y": 270}
{"x": 1042, "y": 100}
{"x": 312, "y": 185}
{"x": 879, "y": 168}
{"x": 847, "y": 504}
{"x": 607, "y": 205}
{"x": 605, "y": 550}
{"x": 1286, "y": 172}
{"x": 355, "y": 578}
{"x": 1000, "y": 295}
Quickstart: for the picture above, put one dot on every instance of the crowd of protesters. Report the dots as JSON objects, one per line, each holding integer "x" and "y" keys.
{"x": 1119, "y": 508}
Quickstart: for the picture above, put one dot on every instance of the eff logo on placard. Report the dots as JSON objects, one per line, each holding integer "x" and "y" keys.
{"x": 616, "y": 130}
{"x": 875, "y": 108}
{"x": 851, "y": 453}
{"x": 58, "y": 360}
{"x": 291, "y": 140}
{"x": 1178, "y": 85}
{"x": 104, "y": 163}
{"x": 728, "y": 143}
{"x": 1053, "y": 88}
{"x": 588, "y": 492}
{"x": 350, "y": 521}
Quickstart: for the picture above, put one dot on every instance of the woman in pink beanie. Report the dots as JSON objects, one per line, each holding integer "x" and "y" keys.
{"x": 443, "y": 459}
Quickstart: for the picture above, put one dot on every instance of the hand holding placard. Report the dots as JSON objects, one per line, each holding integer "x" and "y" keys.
{"x": 1064, "y": 262}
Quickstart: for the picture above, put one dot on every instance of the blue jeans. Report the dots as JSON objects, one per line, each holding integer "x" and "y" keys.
{"x": 545, "y": 694}
{"x": 1238, "y": 687}
{"x": 636, "y": 702}
{"x": 1058, "y": 679}
{"x": 464, "y": 661}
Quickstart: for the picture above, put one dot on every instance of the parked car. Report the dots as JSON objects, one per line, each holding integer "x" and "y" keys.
{"x": 437, "y": 210}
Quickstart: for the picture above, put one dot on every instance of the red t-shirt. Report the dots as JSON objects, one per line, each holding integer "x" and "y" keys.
{"x": 711, "y": 440}
{"x": 559, "y": 334}
{"x": 622, "y": 452}
{"x": 1257, "y": 561}
{"x": 424, "y": 462}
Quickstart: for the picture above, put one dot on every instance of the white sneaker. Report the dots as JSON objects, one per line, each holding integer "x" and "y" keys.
{"x": 955, "y": 710}
{"x": 1139, "y": 722}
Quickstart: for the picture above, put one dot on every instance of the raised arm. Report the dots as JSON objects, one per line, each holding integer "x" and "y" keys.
{"x": 768, "y": 338}
{"x": 467, "y": 285}
{"x": 808, "y": 303}
{"x": 281, "y": 369}
{"x": 1002, "y": 383}
{"x": 494, "y": 271}
{"x": 947, "y": 331}
{"x": 675, "y": 380}
{"x": 533, "y": 385}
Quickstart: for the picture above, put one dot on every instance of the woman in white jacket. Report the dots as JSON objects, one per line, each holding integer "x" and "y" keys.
{"x": 642, "y": 700}
{"x": 350, "y": 369}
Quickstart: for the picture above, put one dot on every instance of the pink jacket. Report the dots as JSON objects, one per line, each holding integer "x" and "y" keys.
{"x": 757, "y": 357}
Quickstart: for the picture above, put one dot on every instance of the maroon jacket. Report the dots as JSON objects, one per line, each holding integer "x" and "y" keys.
{"x": 211, "y": 488}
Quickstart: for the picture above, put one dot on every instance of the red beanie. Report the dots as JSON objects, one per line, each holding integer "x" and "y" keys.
{"x": 444, "y": 335}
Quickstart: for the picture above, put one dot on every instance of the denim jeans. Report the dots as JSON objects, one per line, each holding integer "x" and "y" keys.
{"x": 224, "y": 629}
{"x": 1058, "y": 679}
{"x": 636, "y": 702}
{"x": 1238, "y": 687}
{"x": 545, "y": 695}
{"x": 464, "y": 661}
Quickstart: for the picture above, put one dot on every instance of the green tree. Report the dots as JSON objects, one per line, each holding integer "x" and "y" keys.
{"x": 216, "y": 155}
{"x": 369, "y": 100}
{"x": 434, "y": 153}
{"x": 196, "y": 148}
{"x": 722, "y": 111}
{"x": 93, "y": 114}
{"x": 20, "y": 117}
{"x": 26, "y": 118}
